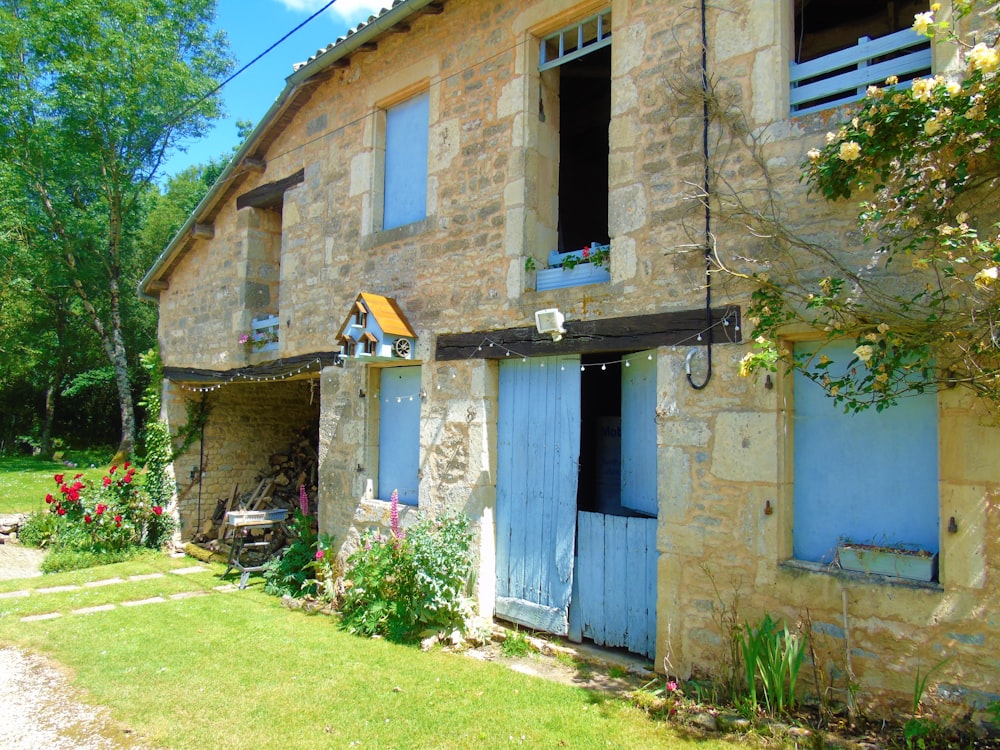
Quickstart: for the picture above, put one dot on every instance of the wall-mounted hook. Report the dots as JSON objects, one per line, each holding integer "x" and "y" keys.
{"x": 952, "y": 525}
{"x": 768, "y": 510}
{"x": 361, "y": 393}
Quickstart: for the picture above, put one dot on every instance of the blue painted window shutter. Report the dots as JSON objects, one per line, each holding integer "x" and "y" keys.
{"x": 869, "y": 477}
{"x": 399, "y": 433}
{"x": 405, "y": 187}
{"x": 639, "y": 433}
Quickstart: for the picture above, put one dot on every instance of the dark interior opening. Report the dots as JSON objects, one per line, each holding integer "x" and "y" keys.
{"x": 584, "y": 118}
{"x": 599, "y": 480}
{"x": 822, "y": 26}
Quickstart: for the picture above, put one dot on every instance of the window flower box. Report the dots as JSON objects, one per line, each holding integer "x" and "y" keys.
{"x": 576, "y": 268}
{"x": 898, "y": 562}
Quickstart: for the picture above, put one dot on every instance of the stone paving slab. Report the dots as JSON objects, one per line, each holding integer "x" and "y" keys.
{"x": 15, "y": 594}
{"x": 56, "y": 589}
{"x": 146, "y": 577}
{"x": 92, "y": 610}
{"x": 36, "y": 618}
{"x": 103, "y": 582}
{"x": 141, "y": 602}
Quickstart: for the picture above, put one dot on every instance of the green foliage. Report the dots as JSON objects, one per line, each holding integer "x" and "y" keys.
{"x": 63, "y": 559}
{"x": 291, "y": 573}
{"x": 404, "y": 586}
{"x": 772, "y": 658}
{"x": 515, "y": 645}
{"x": 76, "y": 162}
{"x": 38, "y": 529}
{"x": 921, "y": 304}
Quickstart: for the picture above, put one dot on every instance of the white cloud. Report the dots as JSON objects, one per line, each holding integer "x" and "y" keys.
{"x": 347, "y": 11}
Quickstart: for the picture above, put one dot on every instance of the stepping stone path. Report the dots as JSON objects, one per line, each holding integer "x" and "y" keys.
{"x": 110, "y": 582}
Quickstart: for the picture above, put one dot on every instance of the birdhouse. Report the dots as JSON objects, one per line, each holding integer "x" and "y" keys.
{"x": 376, "y": 327}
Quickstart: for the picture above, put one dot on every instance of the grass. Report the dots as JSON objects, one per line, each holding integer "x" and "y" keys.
{"x": 25, "y": 480}
{"x": 185, "y": 672}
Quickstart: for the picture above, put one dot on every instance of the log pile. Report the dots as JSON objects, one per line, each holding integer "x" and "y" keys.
{"x": 275, "y": 487}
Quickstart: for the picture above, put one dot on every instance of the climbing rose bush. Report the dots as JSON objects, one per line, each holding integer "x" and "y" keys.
{"x": 922, "y": 302}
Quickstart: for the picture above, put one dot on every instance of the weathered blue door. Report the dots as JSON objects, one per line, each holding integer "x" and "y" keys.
{"x": 538, "y": 449}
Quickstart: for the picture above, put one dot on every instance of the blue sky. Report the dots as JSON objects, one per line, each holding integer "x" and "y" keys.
{"x": 252, "y": 26}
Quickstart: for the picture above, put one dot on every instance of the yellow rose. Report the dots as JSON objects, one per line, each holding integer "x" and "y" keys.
{"x": 932, "y": 126}
{"x": 983, "y": 58}
{"x": 922, "y": 23}
{"x": 850, "y": 150}
{"x": 864, "y": 353}
{"x": 986, "y": 277}
{"x": 814, "y": 154}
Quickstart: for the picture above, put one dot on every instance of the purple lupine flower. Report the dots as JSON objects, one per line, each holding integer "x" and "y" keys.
{"x": 303, "y": 500}
{"x": 397, "y": 530}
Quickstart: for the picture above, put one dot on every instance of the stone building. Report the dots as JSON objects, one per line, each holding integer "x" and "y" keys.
{"x": 522, "y": 181}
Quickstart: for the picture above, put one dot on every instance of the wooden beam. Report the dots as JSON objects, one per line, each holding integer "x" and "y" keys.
{"x": 160, "y": 285}
{"x": 269, "y": 195}
{"x": 399, "y": 28}
{"x": 203, "y": 231}
{"x": 253, "y": 164}
{"x": 368, "y": 46}
{"x": 632, "y": 333}
{"x": 277, "y": 368}
{"x": 434, "y": 9}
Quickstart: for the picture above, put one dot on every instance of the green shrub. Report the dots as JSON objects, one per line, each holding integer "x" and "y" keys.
{"x": 409, "y": 584}
{"x": 291, "y": 574}
{"x": 63, "y": 559}
{"x": 38, "y": 529}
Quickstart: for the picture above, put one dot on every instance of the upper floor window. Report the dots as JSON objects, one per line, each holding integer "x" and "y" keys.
{"x": 575, "y": 116}
{"x": 842, "y": 48}
{"x": 405, "y": 179}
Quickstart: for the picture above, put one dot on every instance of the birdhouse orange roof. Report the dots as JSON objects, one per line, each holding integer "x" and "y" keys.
{"x": 386, "y": 312}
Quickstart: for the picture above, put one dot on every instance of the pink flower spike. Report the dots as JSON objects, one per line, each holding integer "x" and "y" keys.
{"x": 672, "y": 686}
{"x": 319, "y": 554}
{"x": 303, "y": 500}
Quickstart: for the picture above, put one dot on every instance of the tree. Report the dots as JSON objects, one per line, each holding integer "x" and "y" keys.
{"x": 923, "y": 306}
{"x": 96, "y": 93}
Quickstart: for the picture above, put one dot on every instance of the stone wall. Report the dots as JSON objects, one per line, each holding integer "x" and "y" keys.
{"x": 725, "y": 520}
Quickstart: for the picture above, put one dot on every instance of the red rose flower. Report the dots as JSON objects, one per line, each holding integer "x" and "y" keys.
{"x": 100, "y": 508}
{"x": 126, "y": 465}
{"x": 59, "y": 478}
{"x": 77, "y": 486}
{"x": 118, "y": 520}
{"x": 127, "y": 479}
{"x": 158, "y": 510}
{"x": 77, "y": 476}
{"x": 49, "y": 499}
{"x": 73, "y": 495}
{"x": 61, "y": 511}
{"x": 87, "y": 518}
{"x": 112, "y": 470}
{"x": 107, "y": 481}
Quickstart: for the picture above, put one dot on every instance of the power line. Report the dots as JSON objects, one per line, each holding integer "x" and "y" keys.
{"x": 245, "y": 67}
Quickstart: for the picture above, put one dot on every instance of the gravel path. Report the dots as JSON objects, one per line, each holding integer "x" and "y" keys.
{"x": 38, "y": 706}
{"x": 38, "y": 709}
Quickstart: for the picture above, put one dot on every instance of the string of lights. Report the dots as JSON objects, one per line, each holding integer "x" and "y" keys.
{"x": 250, "y": 378}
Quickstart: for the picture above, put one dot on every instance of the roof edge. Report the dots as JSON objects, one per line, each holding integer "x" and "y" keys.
{"x": 343, "y": 47}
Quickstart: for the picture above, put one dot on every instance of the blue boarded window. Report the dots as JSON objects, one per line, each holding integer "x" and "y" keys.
{"x": 399, "y": 433}
{"x": 405, "y": 186}
{"x": 870, "y": 477}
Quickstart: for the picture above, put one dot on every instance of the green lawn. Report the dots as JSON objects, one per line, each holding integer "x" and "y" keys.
{"x": 236, "y": 669}
{"x": 24, "y": 481}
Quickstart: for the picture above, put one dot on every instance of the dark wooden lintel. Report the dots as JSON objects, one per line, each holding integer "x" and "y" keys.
{"x": 275, "y": 368}
{"x": 254, "y": 164}
{"x": 160, "y": 285}
{"x": 434, "y": 9}
{"x": 595, "y": 336}
{"x": 203, "y": 231}
{"x": 368, "y": 46}
{"x": 269, "y": 195}
{"x": 399, "y": 28}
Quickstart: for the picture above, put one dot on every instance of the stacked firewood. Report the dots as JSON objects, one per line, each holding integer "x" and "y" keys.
{"x": 276, "y": 487}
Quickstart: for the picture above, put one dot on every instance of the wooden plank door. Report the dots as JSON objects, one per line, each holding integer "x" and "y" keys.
{"x": 639, "y": 475}
{"x": 615, "y": 602}
{"x": 538, "y": 449}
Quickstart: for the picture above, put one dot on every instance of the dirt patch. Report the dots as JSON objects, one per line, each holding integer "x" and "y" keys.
{"x": 19, "y": 562}
{"x": 39, "y": 708}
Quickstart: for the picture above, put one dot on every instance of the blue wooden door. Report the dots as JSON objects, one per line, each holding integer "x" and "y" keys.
{"x": 639, "y": 433}
{"x": 538, "y": 449}
{"x": 399, "y": 433}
